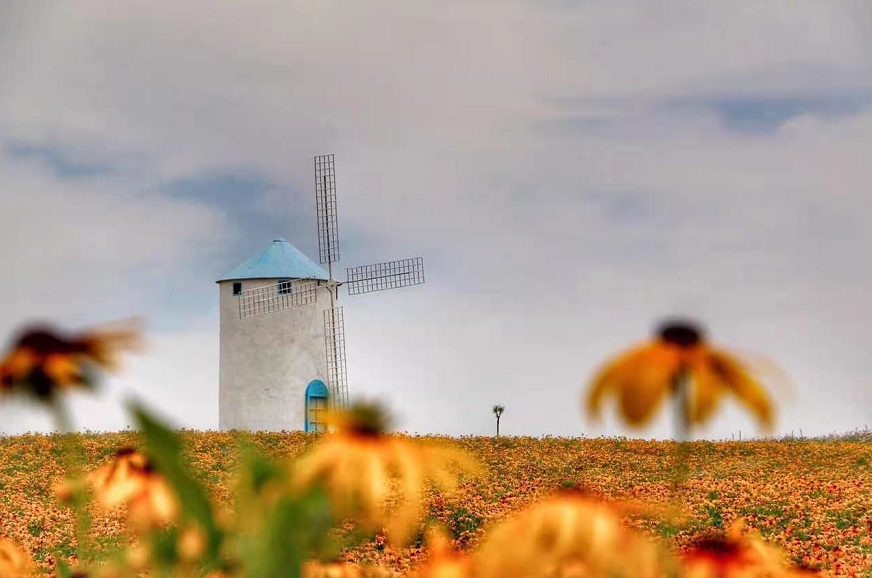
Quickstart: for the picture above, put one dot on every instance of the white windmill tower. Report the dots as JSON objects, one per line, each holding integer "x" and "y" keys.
{"x": 282, "y": 336}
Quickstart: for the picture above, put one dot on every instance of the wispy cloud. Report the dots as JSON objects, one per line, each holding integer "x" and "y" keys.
{"x": 570, "y": 171}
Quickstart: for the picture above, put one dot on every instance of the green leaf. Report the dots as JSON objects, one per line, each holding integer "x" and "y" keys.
{"x": 283, "y": 530}
{"x": 164, "y": 449}
{"x": 63, "y": 569}
{"x": 290, "y": 530}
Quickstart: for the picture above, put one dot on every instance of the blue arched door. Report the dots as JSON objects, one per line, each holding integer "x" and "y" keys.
{"x": 316, "y": 406}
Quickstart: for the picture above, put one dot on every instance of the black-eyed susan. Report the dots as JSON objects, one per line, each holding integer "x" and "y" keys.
{"x": 735, "y": 555}
{"x": 443, "y": 561}
{"x": 316, "y": 569}
{"x": 191, "y": 543}
{"x": 43, "y": 361}
{"x": 566, "y": 534}
{"x": 14, "y": 561}
{"x": 129, "y": 479}
{"x": 679, "y": 361}
{"x": 376, "y": 478}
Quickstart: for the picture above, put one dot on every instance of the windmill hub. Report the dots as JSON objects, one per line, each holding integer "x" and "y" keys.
{"x": 282, "y": 334}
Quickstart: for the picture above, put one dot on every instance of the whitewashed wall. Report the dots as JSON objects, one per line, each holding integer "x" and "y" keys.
{"x": 266, "y": 362}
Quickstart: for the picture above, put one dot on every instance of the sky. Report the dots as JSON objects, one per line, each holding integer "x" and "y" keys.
{"x": 571, "y": 172}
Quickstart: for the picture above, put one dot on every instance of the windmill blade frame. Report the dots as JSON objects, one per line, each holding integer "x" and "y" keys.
{"x": 334, "y": 340}
{"x": 326, "y": 209}
{"x": 278, "y": 296}
{"x": 385, "y": 275}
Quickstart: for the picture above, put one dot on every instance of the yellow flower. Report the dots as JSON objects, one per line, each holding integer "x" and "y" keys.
{"x": 14, "y": 561}
{"x": 568, "y": 534}
{"x": 643, "y": 376}
{"x": 444, "y": 561}
{"x": 42, "y": 361}
{"x": 331, "y": 570}
{"x": 130, "y": 479}
{"x": 736, "y": 556}
{"x": 191, "y": 543}
{"x": 373, "y": 477}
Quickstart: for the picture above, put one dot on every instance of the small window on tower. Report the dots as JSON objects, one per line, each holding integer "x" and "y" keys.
{"x": 237, "y": 288}
{"x": 284, "y": 287}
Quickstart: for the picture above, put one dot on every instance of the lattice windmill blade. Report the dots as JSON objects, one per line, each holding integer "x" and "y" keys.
{"x": 386, "y": 275}
{"x": 325, "y": 201}
{"x": 334, "y": 338}
{"x": 277, "y": 297}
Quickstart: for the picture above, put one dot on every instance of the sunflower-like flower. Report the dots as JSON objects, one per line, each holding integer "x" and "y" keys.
{"x": 679, "y": 356}
{"x": 131, "y": 480}
{"x": 43, "y": 361}
{"x": 568, "y": 534}
{"x": 736, "y": 555}
{"x": 376, "y": 478}
{"x": 14, "y": 561}
{"x": 444, "y": 560}
{"x": 331, "y": 570}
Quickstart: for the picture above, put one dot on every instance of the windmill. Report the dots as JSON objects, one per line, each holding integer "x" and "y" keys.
{"x": 301, "y": 292}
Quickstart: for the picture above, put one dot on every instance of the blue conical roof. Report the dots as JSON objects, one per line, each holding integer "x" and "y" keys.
{"x": 279, "y": 260}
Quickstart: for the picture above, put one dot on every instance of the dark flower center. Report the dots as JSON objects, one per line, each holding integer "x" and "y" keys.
{"x": 366, "y": 419}
{"x": 680, "y": 333}
{"x": 717, "y": 547}
{"x": 44, "y": 342}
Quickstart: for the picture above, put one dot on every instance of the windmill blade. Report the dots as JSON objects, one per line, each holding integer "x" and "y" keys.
{"x": 387, "y": 275}
{"x": 277, "y": 297}
{"x": 334, "y": 337}
{"x": 325, "y": 201}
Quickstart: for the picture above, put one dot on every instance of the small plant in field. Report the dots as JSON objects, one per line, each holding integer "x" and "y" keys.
{"x": 498, "y": 412}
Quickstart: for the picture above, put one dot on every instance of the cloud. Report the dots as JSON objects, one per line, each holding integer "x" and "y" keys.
{"x": 92, "y": 247}
{"x": 570, "y": 172}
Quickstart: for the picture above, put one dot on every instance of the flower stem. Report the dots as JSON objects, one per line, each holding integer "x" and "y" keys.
{"x": 682, "y": 432}
{"x": 73, "y": 466}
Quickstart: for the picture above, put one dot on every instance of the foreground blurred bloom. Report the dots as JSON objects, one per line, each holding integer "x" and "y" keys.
{"x": 735, "y": 556}
{"x": 43, "y": 361}
{"x": 678, "y": 357}
{"x": 362, "y": 469}
{"x": 14, "y": 562}
{"x": 567, "y": 534}
{"x": 131, "y": 480}
{"x": 444, "y": 561}
{"x": 331, "y": 570}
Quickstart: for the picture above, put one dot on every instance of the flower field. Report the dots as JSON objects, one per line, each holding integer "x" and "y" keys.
{"x": 810, "y": 497}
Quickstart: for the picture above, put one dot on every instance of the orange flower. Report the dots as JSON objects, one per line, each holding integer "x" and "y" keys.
{"x": 130, "y": 479}
{"x": 331, "y": 570}
{"x": 43, "y": 361}
{"x": 736, "y": 556}
{"x": 191, "y": 543}
{"x": 643, "y": 376}
{"x": 359, "y": 465}
{"x": 444, "y": 561}
{"x": 565, "y": 535}
{"x": 14, "y": 562}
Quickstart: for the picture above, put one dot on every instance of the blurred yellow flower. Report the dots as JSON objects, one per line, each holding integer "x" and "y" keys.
{"x": 376, "y": 478}
{"x": 14, "y": 561}
{"x": 568, "y": 534}
{"x": 444, "y": 561}
{"x": 42, "y": 361}
{"x": 130, "y": 479}
{"x": 678, "y": 356}
{"x": 331, "y": 570}
{"x": 191, "y": 543}
{"x": 736, "y": 556}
